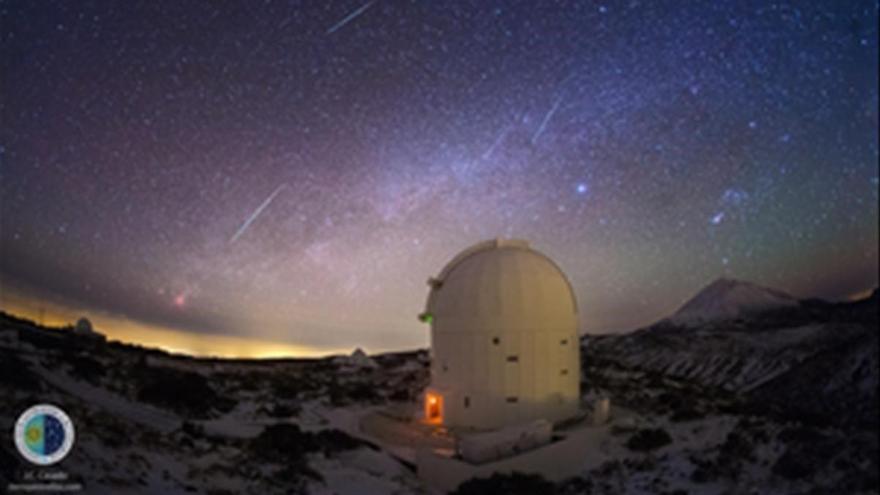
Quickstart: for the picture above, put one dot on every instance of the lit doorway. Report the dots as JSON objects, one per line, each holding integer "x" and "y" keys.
{"x": 433, "y": 407}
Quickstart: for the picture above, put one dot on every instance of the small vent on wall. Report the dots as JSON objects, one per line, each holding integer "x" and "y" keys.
{"x": 512, "y": 359}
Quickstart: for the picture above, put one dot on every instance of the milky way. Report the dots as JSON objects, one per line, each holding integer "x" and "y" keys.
{"x": 296, "y": 173}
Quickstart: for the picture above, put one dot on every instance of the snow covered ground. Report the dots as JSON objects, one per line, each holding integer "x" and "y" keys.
{"x": 692, "y": 412}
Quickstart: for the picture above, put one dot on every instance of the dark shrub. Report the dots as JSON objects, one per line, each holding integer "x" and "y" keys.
{"x": 576, "y": 486}
{"x": 648, "y": 439}
{"x": 345, "y": 394}
{"x": 801, "y": 434}
{"x": 295, "y": 475}
{"x": 282, "y": 442}
{"x": 507, "y": 484}
{"x": 86, "y": 368}
{"x": 401, "y": 395}
{"x": 808, "y": 452}
{"x": 754, "y": 428}
{"x": 334, "y": 441}
{"x": 9, "y": 464}
{"x": 287, "y": 388}
{"x": 794, "y": 466}
{"x": 282, "y": 410}
{"x": 702, "y": 475}
{"x": 193, "y": 429}
{"x": 286, "y": 442}
{"x": 17, "y": 374}
{"x": 641, "y": 464}
{"x": 184, "y": 392}
{"x": 111, "y": 432}
{"x": 48, "y": 340}
{"x": 364, "y": 392}
{"x": 736, "y": 447}
{"x": 298, "y": 387}
{"x": 686, "y": 410}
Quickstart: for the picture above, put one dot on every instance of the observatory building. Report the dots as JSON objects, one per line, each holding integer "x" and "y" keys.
{"x": 504, "y": 340}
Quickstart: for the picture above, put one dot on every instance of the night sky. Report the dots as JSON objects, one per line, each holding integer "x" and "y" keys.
{"x": 295, "y": 171}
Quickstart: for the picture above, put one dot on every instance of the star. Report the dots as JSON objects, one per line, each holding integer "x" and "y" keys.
{"x": 255, "y": 182}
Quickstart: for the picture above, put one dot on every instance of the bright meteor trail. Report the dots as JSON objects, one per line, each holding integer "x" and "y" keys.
{"x": 546, "y": 121}
{"x": 138, "y": 139}
{"x": 247, "y": 223}
{"x": 350, "y": 17}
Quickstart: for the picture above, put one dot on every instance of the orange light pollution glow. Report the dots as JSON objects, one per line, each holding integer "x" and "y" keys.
{"x": 122, "y": 329}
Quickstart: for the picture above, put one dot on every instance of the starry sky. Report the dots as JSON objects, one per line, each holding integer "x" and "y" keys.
{"x": 295, "y": 171}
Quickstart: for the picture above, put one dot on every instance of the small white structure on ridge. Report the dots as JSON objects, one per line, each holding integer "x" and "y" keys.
{"x": 357, "y": 359}
{"x": 84, "y": 328}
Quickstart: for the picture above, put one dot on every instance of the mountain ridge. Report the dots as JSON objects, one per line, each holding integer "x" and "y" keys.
{"x": 729, "y": 298}
{"x": 766, "y": 353}
{"x": 782, "y": 399}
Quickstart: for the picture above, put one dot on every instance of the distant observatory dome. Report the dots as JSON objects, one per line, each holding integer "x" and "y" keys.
{"x": 504, "y": 339}
{"x": 83, "y": 325}
{"x": 84, "y": 328}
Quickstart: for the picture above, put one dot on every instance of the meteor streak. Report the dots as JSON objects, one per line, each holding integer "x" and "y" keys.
{"x": 350, "y": 17}
{"x": 247, "y": 223}
{"x": 497, "y": 142}
{"x": 546, "y": 120}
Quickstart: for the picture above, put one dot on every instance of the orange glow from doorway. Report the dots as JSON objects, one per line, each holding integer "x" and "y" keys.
{"x": 433, "y": 407}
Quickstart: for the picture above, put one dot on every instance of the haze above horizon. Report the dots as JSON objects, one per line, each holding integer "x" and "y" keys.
{"x": 294, "y": 175}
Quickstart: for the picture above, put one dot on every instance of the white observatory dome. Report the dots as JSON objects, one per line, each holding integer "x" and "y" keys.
{"x": 504, "y": 339}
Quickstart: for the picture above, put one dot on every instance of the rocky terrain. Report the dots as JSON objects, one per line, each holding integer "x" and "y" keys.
{"x": 790, "y": 390}
{"x": 774, "y": 398}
